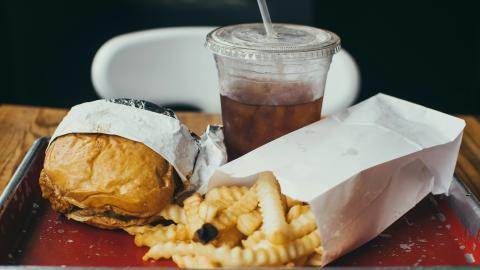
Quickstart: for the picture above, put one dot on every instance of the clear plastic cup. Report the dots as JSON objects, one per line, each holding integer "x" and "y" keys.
{"x": 269, "y": 86}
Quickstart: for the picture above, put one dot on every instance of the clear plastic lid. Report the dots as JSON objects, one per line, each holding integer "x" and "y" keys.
{"x": 249, "y": 41}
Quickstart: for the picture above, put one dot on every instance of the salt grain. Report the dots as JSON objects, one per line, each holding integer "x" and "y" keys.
{"x": 433, "y": 201}
{"x": 441, "y": 217}
{"x": 407, "y": 221}
{"x": 469, "y": 258}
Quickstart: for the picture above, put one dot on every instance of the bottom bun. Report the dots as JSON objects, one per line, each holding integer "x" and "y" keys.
{"x": 108, "y": 222}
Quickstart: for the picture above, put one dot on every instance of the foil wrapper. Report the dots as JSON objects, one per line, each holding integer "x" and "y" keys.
{"x": 194, "y": 158}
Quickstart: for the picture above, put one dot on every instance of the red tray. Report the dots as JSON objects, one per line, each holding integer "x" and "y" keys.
{"x": 439, "y": 231}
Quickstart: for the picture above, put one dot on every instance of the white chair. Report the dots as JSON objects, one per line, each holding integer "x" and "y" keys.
{"x": 172, "y": 66}
{"x": 343, "y": 83}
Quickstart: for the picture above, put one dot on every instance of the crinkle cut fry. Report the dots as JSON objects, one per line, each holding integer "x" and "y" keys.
{"x": 238, "y": 257}
{"x": 134, "y": 230}
{"x": 200, "y": 262}
{"x": 262, "y": 244}
{"x": 194, "y": 222}
{"x": 174, "y": 213}
{"x": 248, "y": 223}
{"x": 301, "y": 261}
{"x": 303, "y": 224}
{"x": 219, "y": 199}
{"x": 247, "y": 203}
{"x": 275, "y": 226}
{"x": 252, "y": 240}
{"x": 208, "y": 210}
{"x": 295, "y": 211}
{"x": 292, "y": 202}
{"x": 316, "y": 258}
{"x": 143, "y": 229}
{"x": 171, "y": 232}
{"x": 227, "y": 194}
{"x": 229, "y": 237}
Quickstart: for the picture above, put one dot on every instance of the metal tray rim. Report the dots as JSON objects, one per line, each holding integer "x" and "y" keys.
{"x": 16, "y": 179}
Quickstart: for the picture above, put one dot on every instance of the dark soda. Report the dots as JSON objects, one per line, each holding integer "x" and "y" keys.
{"x": 248, "y": 126}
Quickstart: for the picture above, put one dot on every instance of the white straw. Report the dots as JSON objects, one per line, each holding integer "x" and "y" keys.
{"x": 267, "y": 22}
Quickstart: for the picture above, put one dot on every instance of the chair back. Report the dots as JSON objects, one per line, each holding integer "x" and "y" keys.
{"x": 165, "y": 66}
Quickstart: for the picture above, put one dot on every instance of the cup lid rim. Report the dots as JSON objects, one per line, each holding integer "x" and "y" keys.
{"x": 248, "y": 41}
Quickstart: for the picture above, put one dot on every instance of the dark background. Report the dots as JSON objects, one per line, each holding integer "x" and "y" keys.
{"x": 423, "y": 51}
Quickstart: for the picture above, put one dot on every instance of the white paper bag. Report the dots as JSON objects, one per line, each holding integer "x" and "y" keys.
{"x": 360, "y": 169}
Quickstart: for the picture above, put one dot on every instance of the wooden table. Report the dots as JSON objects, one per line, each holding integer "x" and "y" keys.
{"x": 21, "y": 125}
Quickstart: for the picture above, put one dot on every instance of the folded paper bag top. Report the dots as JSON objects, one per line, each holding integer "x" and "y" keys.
{"x": 360, "y": 169}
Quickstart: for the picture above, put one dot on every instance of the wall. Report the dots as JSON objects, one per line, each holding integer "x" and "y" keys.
{"x": 424, "y": 51}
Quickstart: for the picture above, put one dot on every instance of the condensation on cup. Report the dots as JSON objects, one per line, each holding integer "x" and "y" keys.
{"x": 269, "y": 86}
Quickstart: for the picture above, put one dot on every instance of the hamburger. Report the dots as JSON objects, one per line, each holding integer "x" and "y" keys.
{"x": 106, "y": 180}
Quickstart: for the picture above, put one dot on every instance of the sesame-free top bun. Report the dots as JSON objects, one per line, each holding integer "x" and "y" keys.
{"x": 106, "y": 180}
